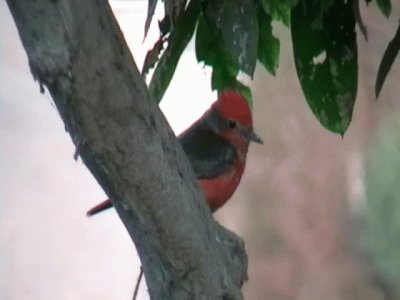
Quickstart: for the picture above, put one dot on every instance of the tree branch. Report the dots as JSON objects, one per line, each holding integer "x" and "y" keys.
{"x": 76, "y": 49}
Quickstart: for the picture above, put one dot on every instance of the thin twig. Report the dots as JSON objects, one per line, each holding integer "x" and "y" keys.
{"x": 138, "y": 283}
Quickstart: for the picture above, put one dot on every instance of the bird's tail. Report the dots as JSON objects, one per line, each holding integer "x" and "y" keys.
{"x": 99, "y": 208}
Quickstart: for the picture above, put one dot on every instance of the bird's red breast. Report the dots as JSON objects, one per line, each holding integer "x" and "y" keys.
{"x": 217, "y": 191}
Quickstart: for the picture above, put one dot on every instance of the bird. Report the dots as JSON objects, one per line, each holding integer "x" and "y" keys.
{"x": 216, "y": 146}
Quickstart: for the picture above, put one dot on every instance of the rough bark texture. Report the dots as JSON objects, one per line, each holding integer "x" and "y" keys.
{"x": 75, "y": 49}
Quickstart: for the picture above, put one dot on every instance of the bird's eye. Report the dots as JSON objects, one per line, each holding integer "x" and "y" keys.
{"x": 231, "y": 124}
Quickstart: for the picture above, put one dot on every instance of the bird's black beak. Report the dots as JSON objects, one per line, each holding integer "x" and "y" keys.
{"x": 252, "y": 136}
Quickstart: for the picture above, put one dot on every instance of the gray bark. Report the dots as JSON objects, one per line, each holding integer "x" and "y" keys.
{"x": 76, "y": 50}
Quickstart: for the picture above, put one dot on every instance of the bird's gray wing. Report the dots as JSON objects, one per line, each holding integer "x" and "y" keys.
{"x": 209, "y": 154}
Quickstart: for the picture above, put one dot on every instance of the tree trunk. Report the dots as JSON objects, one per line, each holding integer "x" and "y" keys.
{"x": 76, "y": 50}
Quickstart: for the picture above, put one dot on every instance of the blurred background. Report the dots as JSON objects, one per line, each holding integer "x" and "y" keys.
{"x": 320, "y": 214}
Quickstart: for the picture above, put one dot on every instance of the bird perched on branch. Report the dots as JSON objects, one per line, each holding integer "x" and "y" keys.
{"x": 216, "y": 146}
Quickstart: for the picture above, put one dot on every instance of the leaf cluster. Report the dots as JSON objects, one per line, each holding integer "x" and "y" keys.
{"x": 232, "y": 35}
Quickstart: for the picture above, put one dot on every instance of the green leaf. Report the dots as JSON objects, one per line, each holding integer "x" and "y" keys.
{"x": 165, "y": 26}
{"x": 221, "y": 81}
{"x": 385, "y": 6}
{"x": 173, "y": 9}
{"x": 291, "y": 3}
{"x": 326, "y": 60}
{"x": 388, "y": 58}
{"x": 268, "y": 44}
{"x": 177, "y": 42}
{"x": 150, "y": 12}
{"x": 278, "y": 10}
{"x": 211, "y": 50}
{"x": 235, "y": 23}
{"x": 359, "y": 20}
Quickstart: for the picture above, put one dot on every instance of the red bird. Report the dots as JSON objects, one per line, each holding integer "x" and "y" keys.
{"x": 216, "y": 146}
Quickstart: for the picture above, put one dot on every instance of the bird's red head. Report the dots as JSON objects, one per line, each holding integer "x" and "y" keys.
{"x": 235, "y": 119}
{"x": 233, "y": 106}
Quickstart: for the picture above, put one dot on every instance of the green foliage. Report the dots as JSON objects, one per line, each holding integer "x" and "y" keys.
{"x": 150, "y": 12}
{"x": 325, "y": 53}
{"x": 388, "y": 58}
{"x": 212, "y": 52}
{"x": 234, "y": 24}
{"x": 385, "y": 6}
{"x": 381, "y": 232}
{"x": 220, "y": 81}
{"x": 177, "y": 42}
{"x": 232, "y": 35}
{"x": 268, "y": 44}
{"x": 278, "y": 10}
